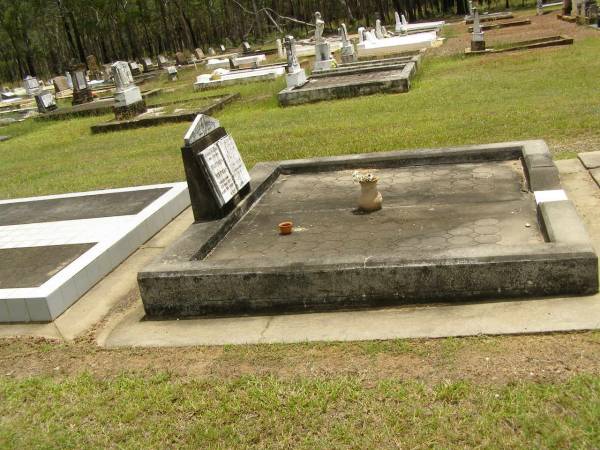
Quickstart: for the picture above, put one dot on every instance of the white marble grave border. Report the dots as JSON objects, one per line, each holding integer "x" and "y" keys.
{"x": 48, "y": 301}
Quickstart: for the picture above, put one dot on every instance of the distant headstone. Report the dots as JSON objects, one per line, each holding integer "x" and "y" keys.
{"x": 162, "y": 61}
{"x": 45, "y": 102}
{"x": 93, "y": 68}
{"x": 82, "y": 93}
{"x": 172, "y": 72}
{"x": 135, "y": 68}
{"x": 148, "y": 65}
{"x": 180, "y": 59}
{"x": 69, "y": 80}
{"x": 280, "y": 52}
{"x": 361, "y": 34}
{"x": 295, "y": 75}
{"x": 378, "y": 30}
{"x": 223, "y": 49}
{"x": 31, "y": 85}
{"x": 246, "y": 47}
{"x": 477, "y": 38}
{"x": 60, "y": 84}
{"x": 128, "y": 98}
{"x": 216, "y": 174}
{"x": 348, "y": 53}
{"x": 211, "y": 51}
{"x": 199, "y": 53}
{"x": 323, "y": 60}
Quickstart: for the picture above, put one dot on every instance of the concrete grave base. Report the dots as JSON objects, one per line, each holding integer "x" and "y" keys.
{"x": 353, "y": 80}
{"x": 499, "y": 25}
{"x": 152, "y": 118}
{"x": 488, "y": 221}
{"x": 130, "y": 111}
{"x": 551, "y": 41}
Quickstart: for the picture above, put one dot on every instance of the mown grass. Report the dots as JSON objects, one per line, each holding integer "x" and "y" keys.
{"x": 266, "y": 412}
{"x": 454, "y": 100}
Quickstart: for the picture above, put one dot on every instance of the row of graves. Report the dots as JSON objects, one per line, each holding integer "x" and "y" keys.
{"x": 478, "y": 43}
{"x": 343, "y": 232}
{"x": 351, "y": 78}
{"x": 582, "y": 12}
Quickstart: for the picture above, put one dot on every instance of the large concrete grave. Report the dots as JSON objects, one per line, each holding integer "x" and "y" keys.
{"x": 391, "y": 75}
{"x": 488, "y": 221}
{"x": 531, "y": 44}
{"x": 241, "y": 76}
{"x": 53, "y": 249}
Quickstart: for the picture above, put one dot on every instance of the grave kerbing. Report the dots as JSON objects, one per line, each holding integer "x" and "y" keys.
{"x": 216, "y": 175}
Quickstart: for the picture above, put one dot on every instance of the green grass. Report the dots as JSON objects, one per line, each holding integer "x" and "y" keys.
{"x": 316, "y": 413}
{"x": 455, "y": 100}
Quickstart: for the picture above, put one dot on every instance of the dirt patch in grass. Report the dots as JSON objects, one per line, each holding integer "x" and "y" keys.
{"x": 541, "y": 26}
{"x": 493, "y": 360}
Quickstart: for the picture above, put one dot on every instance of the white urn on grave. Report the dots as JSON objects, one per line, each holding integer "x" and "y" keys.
{"x": 370, "y": 198}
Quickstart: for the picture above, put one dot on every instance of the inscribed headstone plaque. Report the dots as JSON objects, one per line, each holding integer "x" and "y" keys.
{"x": 234, "y": 162}
{"x": 221, "y": 180}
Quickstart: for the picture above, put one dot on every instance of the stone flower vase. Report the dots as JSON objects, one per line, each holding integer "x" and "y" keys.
{"x": 370, "y": 198}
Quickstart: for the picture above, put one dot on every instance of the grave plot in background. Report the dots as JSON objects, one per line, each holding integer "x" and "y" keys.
{"x": 457, "y": 224}
{"x": 354, "y": 79}
{"x": 95, "y": 108}
{"x": 55, "y": 248}
{"x": 184, "y": 111}
{"x": 550, "y": 41}
{"x": 499, "y": 25}
{"x": 224, "y": 77}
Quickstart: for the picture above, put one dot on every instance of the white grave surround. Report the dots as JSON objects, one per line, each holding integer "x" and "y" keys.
{"x": 223, "y": 63}
{"x": 115, "y": 239}
{"x": 239, "y": 76}
{"x": 395, "y": 45}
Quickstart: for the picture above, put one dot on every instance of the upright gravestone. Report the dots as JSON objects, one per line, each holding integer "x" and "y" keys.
{"x": 211, "y": 51}
{"x": 180, "y": 59}
{"x": 323, "y": 60}
{"x": 295, "y": 75}
{"x": 148, "y": 65}
{"x": 280, "y": 52}
{"x": 540, "y": 7}
{"x": 93, "y": 68}
{"x": 128, "y": 98}
{"x": 216, "y": 175}
{"x": 135, "y": 68}
{"x": 69, "y": 79}
{"x": 246, "y": 47}
{"x": 45, "y": 102}
{"x": 361, "y": 34}
{"x": 348, "y": 53}
{"x": 172, "y": 73}
{"x": 378, "y": 30}
{"x": 82, "y": 93}
{"x": 222, "y": 48}
{"x": 477, "y": 38}
{"x": 162, "y": 61}
{"x": 60, "y": 84}
{"x": 31, "y": 85}
{"x": 199, "y": 53}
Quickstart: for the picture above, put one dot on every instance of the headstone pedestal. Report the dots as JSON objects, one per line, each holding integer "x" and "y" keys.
{"x": 323, "y": 59}
{"x": 128, "y": 98}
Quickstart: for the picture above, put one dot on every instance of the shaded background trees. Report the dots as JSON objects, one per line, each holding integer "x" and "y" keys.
{"x": 41, "y": 37}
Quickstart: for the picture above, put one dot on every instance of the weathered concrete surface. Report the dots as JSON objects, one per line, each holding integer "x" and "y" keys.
{"x": 590, "y": 160}
{"x": 458, "y": 223}
{"x": 348, "y": 82}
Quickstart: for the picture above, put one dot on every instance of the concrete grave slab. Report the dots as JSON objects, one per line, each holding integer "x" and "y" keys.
{"x": 53, "y": 249}
{"x": 462, "y": 223}
{"x": 354, "y": 79}
{"x": 590, "y": 160}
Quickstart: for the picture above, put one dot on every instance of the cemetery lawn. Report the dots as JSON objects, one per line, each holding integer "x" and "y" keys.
{"x": 487, "y": 392}
{"x": 454, "y": 100}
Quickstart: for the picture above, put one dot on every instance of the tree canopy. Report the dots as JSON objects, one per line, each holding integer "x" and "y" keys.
{"x": 41, "y": 37}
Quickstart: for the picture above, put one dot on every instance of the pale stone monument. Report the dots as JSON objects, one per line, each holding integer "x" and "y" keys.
{"x": 60, "y": 84}
{"x": 471, "y": 8}
{"x": 31, "y": 85}
{"x": 199, "y": 53}
{"x": 348, "y": 53}
{"x": 361, "y": 34}
{"x": 128, "y": 97}
{"x": 540, "y": 7}
{"x": 477, "y": 38}
{"x": 246, "y": 47}
{"x": 162, "y": 61}
{"x": 295, "y": 75}
{"x": 379, "y": 30}
{"x": 172, "y": 72}
{"x": 180, "y": 59}
{"x": 323, "y": 60}
{"x": 280, "y": 53}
